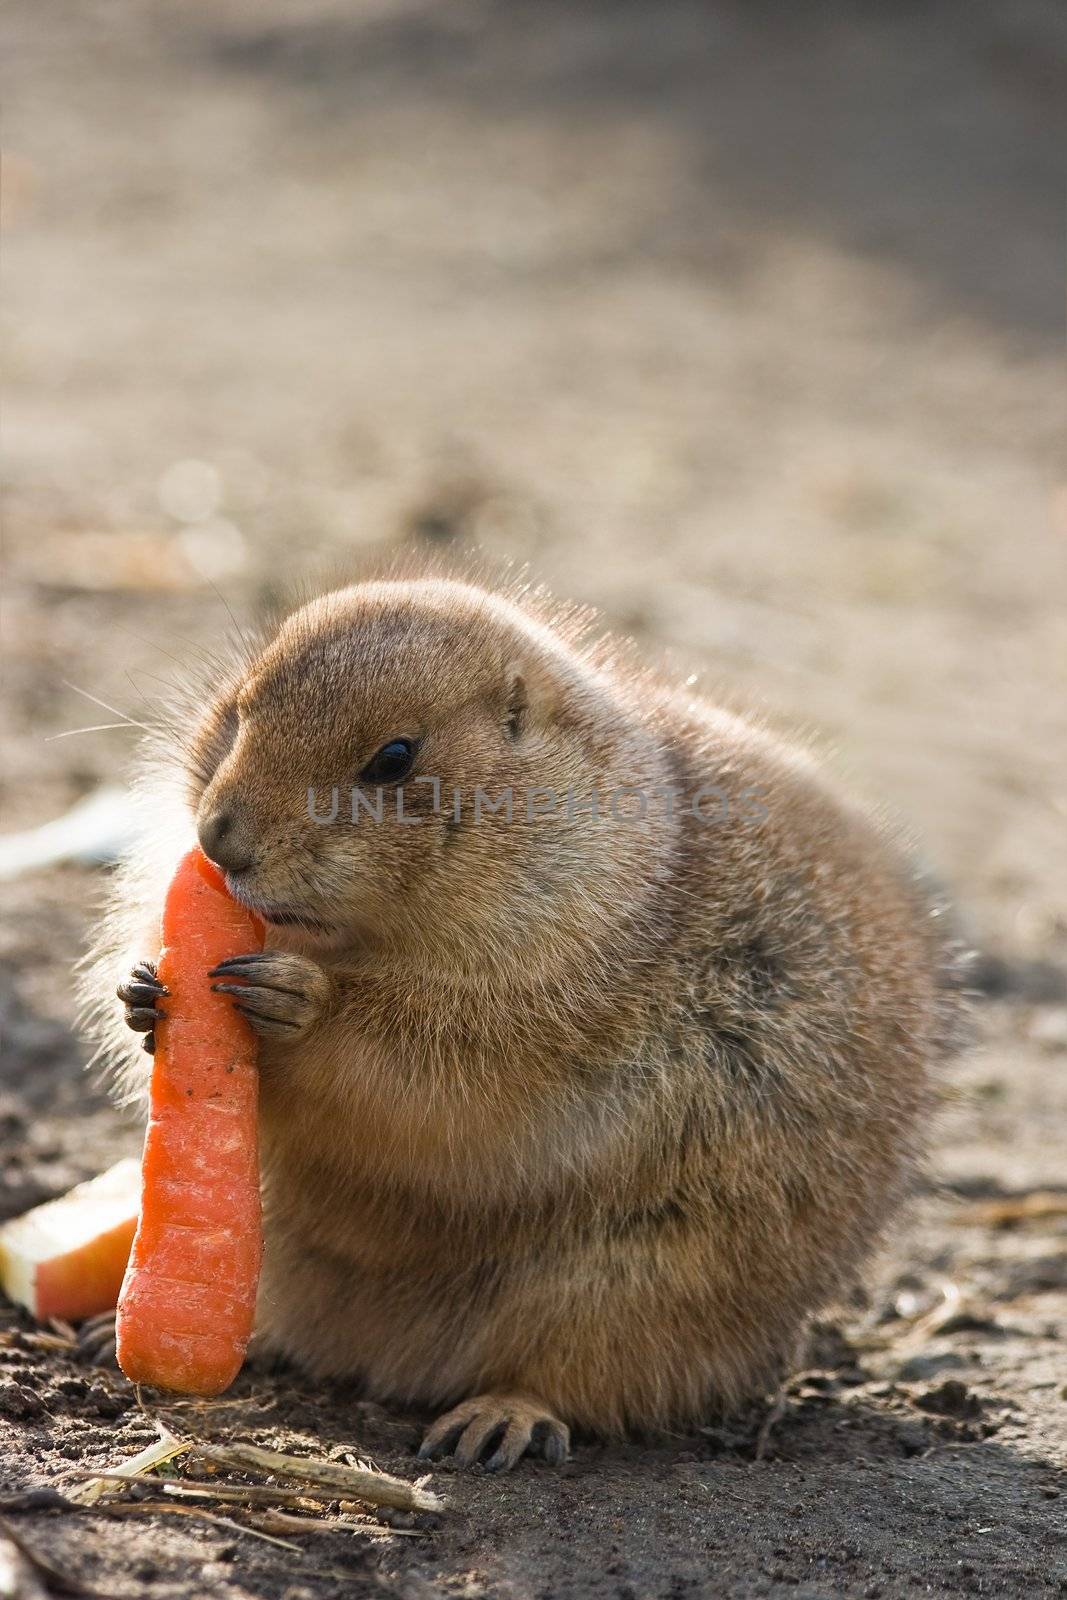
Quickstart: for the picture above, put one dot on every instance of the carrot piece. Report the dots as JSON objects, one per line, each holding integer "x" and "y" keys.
{"x": 66, "y": 1258}
{"x": 187, "y": 1302}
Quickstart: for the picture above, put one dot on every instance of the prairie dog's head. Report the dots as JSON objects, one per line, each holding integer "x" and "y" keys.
{"x": 356, "y": 783}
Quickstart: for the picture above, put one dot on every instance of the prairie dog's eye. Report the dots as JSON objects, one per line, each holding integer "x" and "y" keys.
{"x": 393, "y": 762}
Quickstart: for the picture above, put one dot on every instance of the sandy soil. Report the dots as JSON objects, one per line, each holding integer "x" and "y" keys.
{"x": 739, "y": 321}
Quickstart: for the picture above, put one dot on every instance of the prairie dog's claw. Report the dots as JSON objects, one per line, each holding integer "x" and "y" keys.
{"x": 282, "y": 995}
{"x": 512, "y": 1424}
{"x": 140, "y": 993}
{"x": 96, "y": 1340}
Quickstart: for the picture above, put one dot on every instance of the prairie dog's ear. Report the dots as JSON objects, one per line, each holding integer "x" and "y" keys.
{"x": 531, "y": 696}
{"x": 516, "y": 700}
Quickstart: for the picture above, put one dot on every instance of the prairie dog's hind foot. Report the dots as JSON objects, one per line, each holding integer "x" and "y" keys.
{"x": 97, "y": 1340}
{"x": 497, "y": 1429}
{"x": 282, "y": 995}
{"x": 140, "y": 994}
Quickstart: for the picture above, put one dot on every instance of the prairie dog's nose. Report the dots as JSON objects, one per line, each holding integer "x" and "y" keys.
{"x": 221, "y": 839}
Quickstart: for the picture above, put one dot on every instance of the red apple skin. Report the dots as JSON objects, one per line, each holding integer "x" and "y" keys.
{"x": 85, "y": 1280}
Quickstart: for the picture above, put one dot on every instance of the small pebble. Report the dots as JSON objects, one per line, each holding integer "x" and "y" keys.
{"x": 950, "y": 1399}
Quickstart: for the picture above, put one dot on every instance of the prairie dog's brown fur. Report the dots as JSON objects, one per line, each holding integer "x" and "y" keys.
{"x": 567, "y": 1117}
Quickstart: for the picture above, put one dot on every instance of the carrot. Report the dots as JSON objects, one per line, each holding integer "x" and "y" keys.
{"x": 188, "y": 1298}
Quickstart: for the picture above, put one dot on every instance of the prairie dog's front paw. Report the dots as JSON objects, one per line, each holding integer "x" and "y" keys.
{"x": 497, "y": 1429}
{"x": 140, "y": 993}
{"x": 282, "y": 995}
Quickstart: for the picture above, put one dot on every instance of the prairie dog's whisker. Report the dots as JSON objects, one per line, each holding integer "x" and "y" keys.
{"x": 99, "y": 727}
{"x": 96, "y": 700}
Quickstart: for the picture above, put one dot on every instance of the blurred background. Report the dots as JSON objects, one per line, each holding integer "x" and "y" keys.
{"x": 740, "y": 321}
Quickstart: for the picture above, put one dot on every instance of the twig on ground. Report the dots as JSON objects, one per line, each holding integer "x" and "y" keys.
{"x": 273, "y": 1508}
{"x": 242, "y": 1493}
{"x": 353, "y": 1483}
{"x": 286, "y": 1522}
{"x": 165, "y": 1449}
{"x": 956, "y": 1309}
{"x": 35, "y": 1338}
{"x": 134, "y": 1508}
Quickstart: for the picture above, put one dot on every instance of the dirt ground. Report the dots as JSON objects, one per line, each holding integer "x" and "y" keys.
{"x": 739, "y": 321}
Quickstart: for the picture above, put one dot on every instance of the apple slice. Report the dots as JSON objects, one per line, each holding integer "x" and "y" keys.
{"x": 66, "y": 1258}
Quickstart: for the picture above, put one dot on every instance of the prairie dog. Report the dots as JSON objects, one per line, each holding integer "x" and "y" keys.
{"x": 570, "y": 1117}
